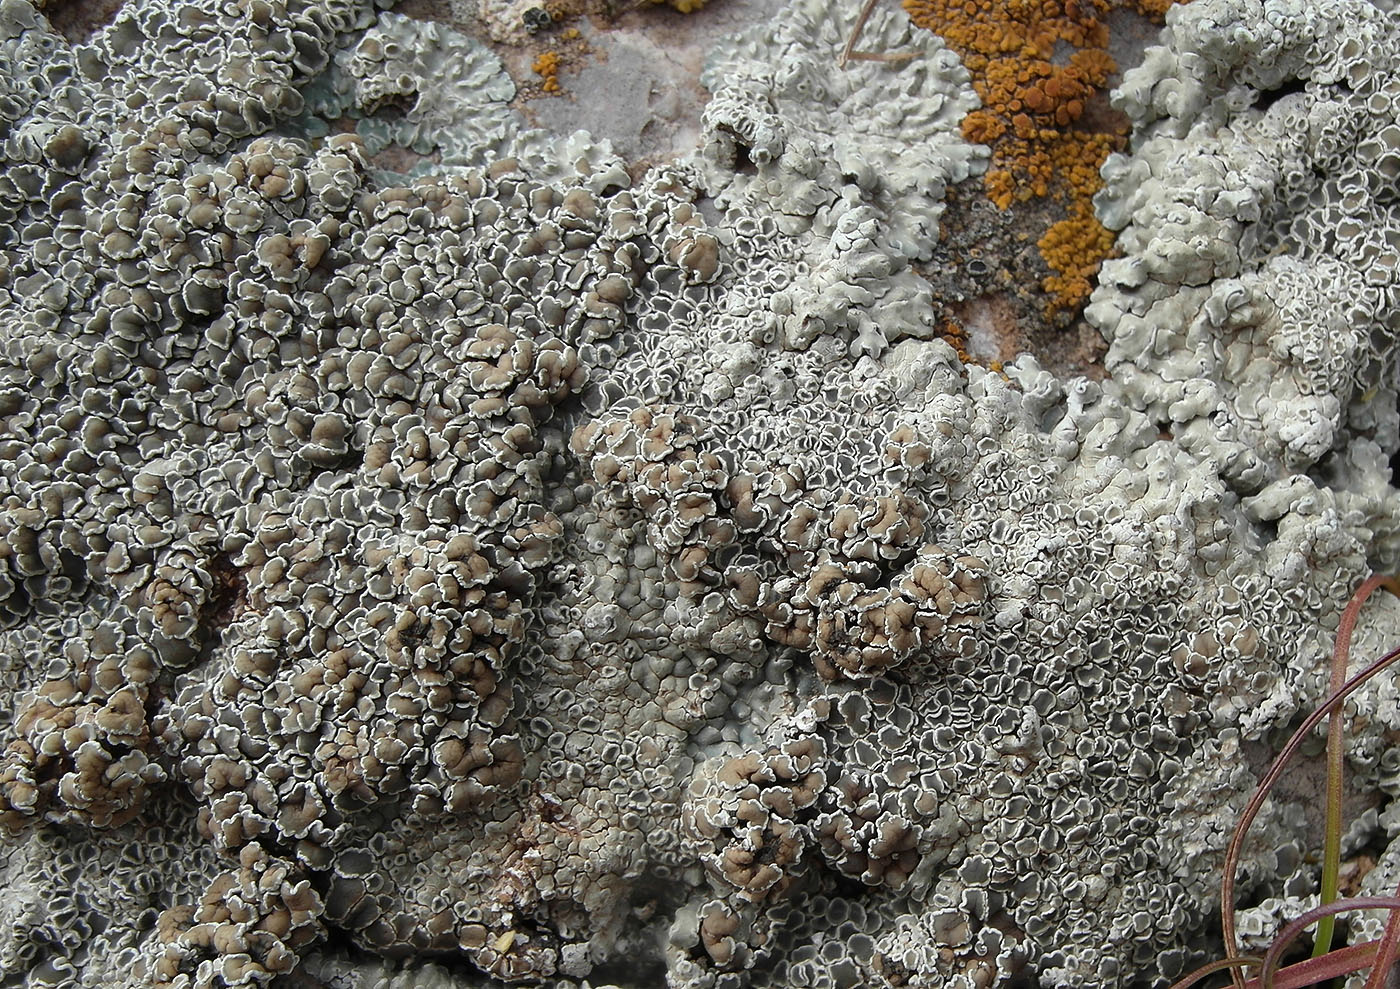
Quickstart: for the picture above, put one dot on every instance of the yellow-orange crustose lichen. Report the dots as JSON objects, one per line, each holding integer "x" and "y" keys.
{"x": 1074, "y": 248}
{"x": 684, "y": 6}
{"x": 547, "y": 68}
{"x": 956, "y": 336}
{"x": 1032, "y": 116}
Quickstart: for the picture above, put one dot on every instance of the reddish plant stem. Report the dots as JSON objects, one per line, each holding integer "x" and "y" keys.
{"x": 1232, "y": 852}
{"x": 1290, "y": 932}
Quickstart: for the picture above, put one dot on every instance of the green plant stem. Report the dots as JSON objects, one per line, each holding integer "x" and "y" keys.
{"x": 1336, "y": 768}
{"x": 1232, "y": 852}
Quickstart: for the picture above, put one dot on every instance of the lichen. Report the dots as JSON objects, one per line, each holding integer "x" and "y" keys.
{"x": 1037, "y": 68}
{"x": 568, "y": 579}
{"x": 546, "y": 66}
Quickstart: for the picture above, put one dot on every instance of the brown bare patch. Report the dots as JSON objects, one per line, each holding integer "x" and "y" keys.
{"x": 79, "y": 20}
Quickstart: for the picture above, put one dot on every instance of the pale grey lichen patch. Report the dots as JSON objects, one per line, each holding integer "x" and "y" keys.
{"x": 445, "y": 98}
{"x": 1254, "y": 311}
{"x": 573, "y": 580}
{"x": 885, "y": 133}
{"x": 424, "y": 86}
{"x": 1253, "y": 315}
{"x": 503, "y": 20}
{"x": 435, "y": 96}
{"x": 854, "y": 162}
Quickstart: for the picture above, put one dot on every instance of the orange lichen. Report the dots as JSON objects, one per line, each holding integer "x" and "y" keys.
{"x": 1037, "y": 66}
{"x": 956, "y": 337}
{"x": 1074, "y": 248}
{"x": 547, "y": 68}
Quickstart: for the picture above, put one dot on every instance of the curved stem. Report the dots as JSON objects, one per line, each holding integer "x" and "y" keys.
{"x": 1210, "y": 968}
{"x": 1336, "y": 768}
{"x": 1300, "y": 975}
{"x": 859, "y": 25}
{"x": 1266, "y": 783}
{"x": 1343, "y": 961}
{"x": 1387, "y": 951}
{"x": 1291, "y": 931}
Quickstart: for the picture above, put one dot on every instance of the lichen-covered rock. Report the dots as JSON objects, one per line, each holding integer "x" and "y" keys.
{"x": 423, "y": 87}
{"x": 854, "y": 160}
{"x": 1254, "y": 312}
{"x": 580, "y": 581}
